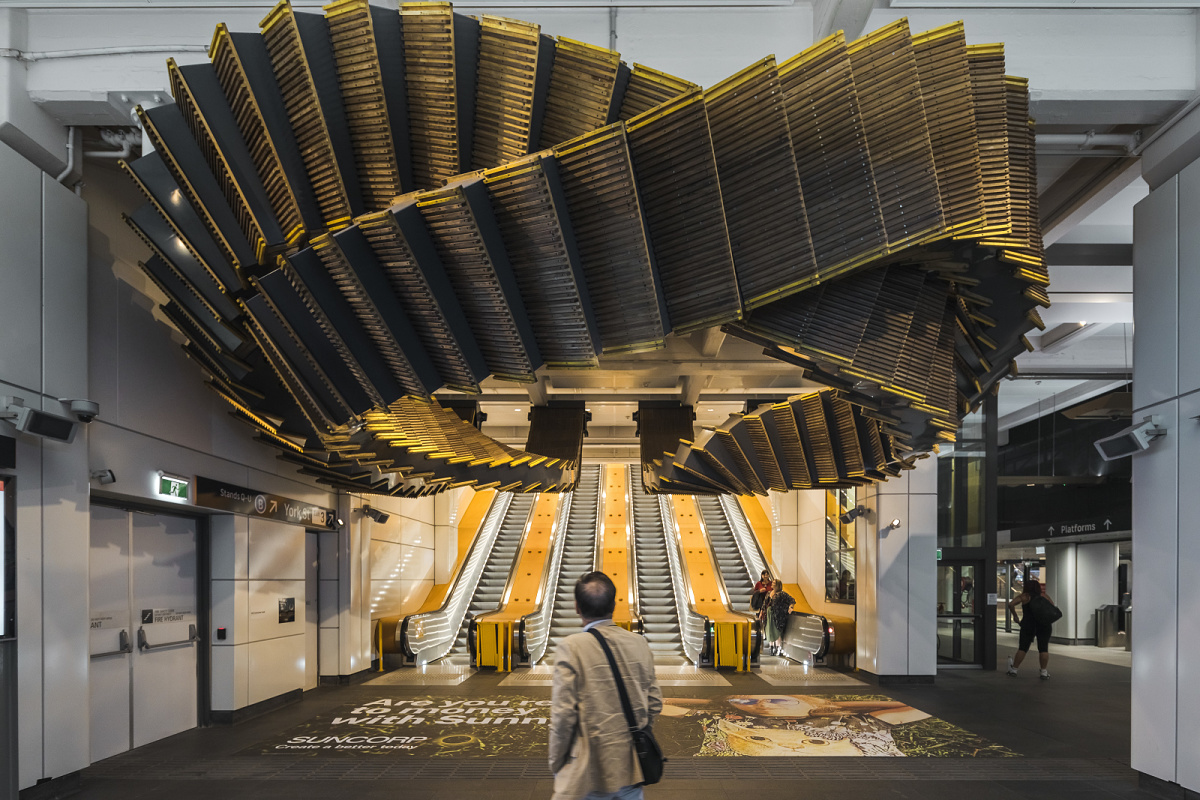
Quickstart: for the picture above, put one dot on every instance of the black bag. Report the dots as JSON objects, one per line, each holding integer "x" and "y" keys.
{"x": 756, "y": 600}
{"x": 649, "y": 754}
{"x": 1043, "y": 612}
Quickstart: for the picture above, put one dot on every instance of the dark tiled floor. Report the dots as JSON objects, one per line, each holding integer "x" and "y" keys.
{"x": 1072, "y": 732}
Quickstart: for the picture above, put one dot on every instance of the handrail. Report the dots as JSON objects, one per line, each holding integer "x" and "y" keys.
{"x": 694, "y": 628}
{"x": 144, "y": 643}
{"x": 635, "y": 600}
{"x": 755, "y": 562}
{"x": 430, "y": 635}
{"x": 597, "y": 532}
{"x": 125, "y": 646}
{"x": 534, "y": 628}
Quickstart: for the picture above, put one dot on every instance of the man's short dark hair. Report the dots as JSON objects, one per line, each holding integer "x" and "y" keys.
{"x": 596, "y": 596}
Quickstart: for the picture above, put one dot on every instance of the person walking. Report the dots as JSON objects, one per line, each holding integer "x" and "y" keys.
{"x": 1037, "y": 618}
{"x": 778, "y": 609}
{"x": 591, "y": 750}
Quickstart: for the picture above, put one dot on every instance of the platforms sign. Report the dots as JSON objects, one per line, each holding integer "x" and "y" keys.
{"x": 223, "y": 496}
{"x": 1091, "y": 526}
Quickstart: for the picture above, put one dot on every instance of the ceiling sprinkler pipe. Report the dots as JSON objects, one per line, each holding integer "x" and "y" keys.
{"x": 62, "y": 176}
{"x": 1084, "y": 141}
{"x": 29, "y": 57}
{"x": 125, "y": 152}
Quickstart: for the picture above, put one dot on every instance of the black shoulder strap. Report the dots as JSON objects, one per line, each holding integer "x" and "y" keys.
{"x": 612, "y": 662}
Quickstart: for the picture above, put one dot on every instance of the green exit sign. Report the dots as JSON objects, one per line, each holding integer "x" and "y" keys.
{"x": 173, "y": 487}
{"x": 939, "y": 554}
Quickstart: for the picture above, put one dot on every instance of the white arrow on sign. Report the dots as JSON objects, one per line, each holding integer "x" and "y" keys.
{"x": 1108, "y": 524}
{"x": 1051, "y": 530}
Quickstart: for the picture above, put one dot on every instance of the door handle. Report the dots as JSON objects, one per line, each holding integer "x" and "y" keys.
{"x": 144, "y": 644}
{"x": 123, "y": 641}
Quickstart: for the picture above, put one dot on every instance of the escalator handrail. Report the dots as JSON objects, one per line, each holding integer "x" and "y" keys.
{"x": 598, "y": 528}
{"x": 635, "y": 600}
{"x": 535, "y": 626}
{"x": 751, "y": 550}
{"x": 688, "y": 615}
{"x": 466, "y": 578}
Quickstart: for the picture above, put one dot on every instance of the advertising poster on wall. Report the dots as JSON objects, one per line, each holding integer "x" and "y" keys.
{"x": 514, "y": 726}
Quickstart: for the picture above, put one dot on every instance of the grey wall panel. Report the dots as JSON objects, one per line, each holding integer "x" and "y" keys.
{"x": 1155, "y": 295}
{"x": 30, "y": 634}
{"x": 1156, "y": 549}
{"x": 20, "y": 271}
{"x": 1189, "y": 280}
{"x": 1187, "y": 634}
{"x": 160, "y": 389}
{"x": 64, "y": 289}
{"x": 64, "y": 542}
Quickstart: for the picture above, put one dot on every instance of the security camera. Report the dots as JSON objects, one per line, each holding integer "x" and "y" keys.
{"x": 375, "y": 514}
{"x": 37, "y": 423}
{"x": 84, "y": 410}
{"x": 1131, "y": 440}
{"x": 852, "y": 514}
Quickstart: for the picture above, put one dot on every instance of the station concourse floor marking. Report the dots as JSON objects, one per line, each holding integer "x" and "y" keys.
{"x": 428, "y": 675}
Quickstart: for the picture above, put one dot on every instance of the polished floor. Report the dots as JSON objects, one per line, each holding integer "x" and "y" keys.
{"x": 1072, "y": 734}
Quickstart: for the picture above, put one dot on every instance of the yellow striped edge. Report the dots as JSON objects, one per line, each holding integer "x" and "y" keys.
{"x": 738, "y": 79}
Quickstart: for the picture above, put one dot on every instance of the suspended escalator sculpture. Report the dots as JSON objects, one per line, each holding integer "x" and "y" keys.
{"x": 351, "y": 211}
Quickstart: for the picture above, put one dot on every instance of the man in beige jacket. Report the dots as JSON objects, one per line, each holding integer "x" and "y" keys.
{"x": 591, "y": 752}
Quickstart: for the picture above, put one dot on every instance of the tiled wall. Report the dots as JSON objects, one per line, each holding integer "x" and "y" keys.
{"x": 255, "y": 564}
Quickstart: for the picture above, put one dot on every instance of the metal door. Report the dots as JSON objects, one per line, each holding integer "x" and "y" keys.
{"x": 144, "y": 633}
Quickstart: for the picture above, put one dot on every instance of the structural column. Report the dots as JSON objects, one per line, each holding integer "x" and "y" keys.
{"x": 1080, "y": 579}
{"x": 897, "y": 593}
{"x": 1166, "y": 494}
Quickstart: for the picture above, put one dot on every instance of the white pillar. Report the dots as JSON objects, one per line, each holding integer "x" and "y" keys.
{"x": 897, "y": 569}
{"x": 1080, "y": 579}
{"x": 43, "y": 303}
{"x": 1166, "y": 495}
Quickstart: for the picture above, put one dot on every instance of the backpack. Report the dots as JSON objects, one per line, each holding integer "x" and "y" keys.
{"x": 756, "y": 600}
{"x": 1042, "y": 611}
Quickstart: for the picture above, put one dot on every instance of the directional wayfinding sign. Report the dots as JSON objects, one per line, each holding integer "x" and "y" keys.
{"x": 240, "y": 500}
{"x": 1075, "y": 527}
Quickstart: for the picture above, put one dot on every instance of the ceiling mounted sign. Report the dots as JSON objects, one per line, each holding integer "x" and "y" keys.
{"x": 1091, "y": 526}
{"x": 223, "y": 496}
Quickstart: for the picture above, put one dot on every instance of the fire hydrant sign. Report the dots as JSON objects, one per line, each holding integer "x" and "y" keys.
{"x": 153, "y": 615}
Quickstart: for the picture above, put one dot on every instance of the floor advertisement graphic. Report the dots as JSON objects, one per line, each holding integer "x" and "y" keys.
{"x": 515, "y": 726}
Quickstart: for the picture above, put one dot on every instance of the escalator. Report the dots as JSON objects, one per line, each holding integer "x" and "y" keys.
{"x": 655, "y": 590}
{"x": 490, "y": 590}
{"x": 734, "y": 571}
{"x": 579, "y": 553}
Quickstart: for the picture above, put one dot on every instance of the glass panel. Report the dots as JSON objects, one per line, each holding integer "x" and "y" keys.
{"x": 839, "y": 546}
{"x": 962, "y": 473}
{"x": 956, "y": 614}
